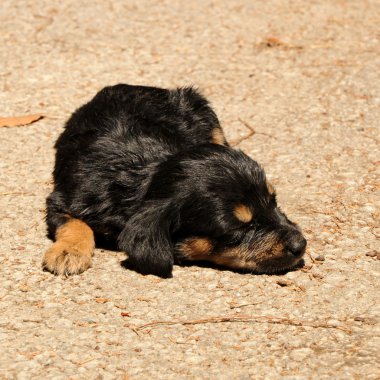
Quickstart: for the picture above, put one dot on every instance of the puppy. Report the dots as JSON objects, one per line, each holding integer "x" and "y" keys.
{"x": 150, "y": 169}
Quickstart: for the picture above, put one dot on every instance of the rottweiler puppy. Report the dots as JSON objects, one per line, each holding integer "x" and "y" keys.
{"x": 150, "y": 169}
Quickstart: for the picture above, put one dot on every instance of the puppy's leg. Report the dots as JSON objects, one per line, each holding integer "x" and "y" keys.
{"x": 73, "y": 248}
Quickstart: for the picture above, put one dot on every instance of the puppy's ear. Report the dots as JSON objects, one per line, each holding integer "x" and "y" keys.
{"x": 146, "y": 240}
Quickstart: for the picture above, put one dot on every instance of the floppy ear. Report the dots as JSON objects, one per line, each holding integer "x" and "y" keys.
{"x": 146, "y": 239}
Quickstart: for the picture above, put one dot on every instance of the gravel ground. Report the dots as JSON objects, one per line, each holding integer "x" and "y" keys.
{"x": 296, "y": 85}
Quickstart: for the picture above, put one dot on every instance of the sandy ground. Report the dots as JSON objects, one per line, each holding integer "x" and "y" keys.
{"x": 296, "y": 85}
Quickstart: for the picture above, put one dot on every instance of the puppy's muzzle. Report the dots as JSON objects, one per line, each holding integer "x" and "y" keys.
{"x": 296, "y": 244}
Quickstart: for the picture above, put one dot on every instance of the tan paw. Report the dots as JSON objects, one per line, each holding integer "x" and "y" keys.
{"x": 65, "y": 259}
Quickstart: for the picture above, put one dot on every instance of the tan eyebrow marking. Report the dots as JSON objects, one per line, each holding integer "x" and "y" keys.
{"x": 243, "y": 213}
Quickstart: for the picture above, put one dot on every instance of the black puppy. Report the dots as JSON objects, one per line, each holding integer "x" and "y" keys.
{"x": 150, "y": 169}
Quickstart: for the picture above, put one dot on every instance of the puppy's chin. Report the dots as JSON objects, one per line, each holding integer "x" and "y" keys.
{"x": 268, "y": 267}
{"x": 276, "y": 267}
{"x": 238, "y": 258}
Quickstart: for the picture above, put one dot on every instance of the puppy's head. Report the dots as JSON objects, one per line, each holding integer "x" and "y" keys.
{"x": 212, "y": 203}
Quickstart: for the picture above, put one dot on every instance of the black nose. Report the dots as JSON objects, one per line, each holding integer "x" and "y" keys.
{"x": 296, "y": 245}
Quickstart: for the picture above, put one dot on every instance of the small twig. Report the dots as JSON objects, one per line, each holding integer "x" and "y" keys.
{"x": 370, "y": 137}
{"x": 249, "y": 126}
{"x": 246, "y": 124}
{"x": 311, "y": 258}
{"x": 342, "y": 204}
{"x": 245, "y": 304}
{"x": 371, "y": 230}
{"x": 339, "y": 219}
{"x": 86, "y": 361}
{"x": 336, "y": 223}
{"x": 251, "y": 133}
{"x": 178, "y": 342}
{"x": 239, "y": 141}
{"x": 319, "y": 212}
{"x": 243, "y": 319}
{"x": 134, "y": 330}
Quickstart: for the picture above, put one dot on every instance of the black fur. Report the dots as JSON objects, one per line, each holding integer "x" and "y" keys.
{"x": 138, "y": 165}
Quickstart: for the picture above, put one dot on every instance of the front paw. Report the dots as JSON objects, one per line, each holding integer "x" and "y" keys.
{"x": 65, "y": 259}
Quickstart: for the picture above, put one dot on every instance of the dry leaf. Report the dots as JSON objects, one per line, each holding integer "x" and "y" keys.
{"x": 30, "y": 354}
{"x": 86, "y": 324}
{"x": 273, "y": 41}
{"x": 101, "y": 300}
{"x": 19, "y": 120}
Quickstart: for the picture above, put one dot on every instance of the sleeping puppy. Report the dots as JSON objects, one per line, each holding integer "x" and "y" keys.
{"x": 150, "y": 169}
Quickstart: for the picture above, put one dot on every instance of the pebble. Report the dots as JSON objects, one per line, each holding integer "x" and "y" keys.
{"x": 373, "y": 253}
{"x": 284, "y": 282}
{"x": 319, "y": 258}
